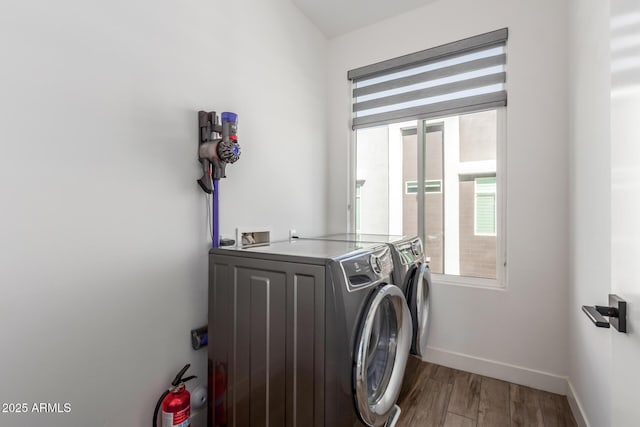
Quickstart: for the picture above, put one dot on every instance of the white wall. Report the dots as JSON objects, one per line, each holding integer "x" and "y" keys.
{"x": 590, "y": 189}
{"x": 103, "y": 229}
{"x": 590, "y": 215}
{"x": 521, "y": 333}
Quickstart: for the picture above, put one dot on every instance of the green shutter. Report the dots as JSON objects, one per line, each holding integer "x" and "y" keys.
{"x": 485, "y": 218}
{"x": 434, "y": 186}
{"x": 486, "y": 184}
{"x": 411, "y": 187}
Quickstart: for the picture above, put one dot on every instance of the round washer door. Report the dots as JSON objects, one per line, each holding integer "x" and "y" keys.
{"x": 381, "y": 353}
{"x": 418, "y": 297}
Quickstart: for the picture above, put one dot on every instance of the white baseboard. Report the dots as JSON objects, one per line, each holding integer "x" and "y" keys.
{"x": 576, "y": 406}
{"x": 502, "y": 371}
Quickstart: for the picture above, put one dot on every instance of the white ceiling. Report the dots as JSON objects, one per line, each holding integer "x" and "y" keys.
{"x": 337, "y": 17}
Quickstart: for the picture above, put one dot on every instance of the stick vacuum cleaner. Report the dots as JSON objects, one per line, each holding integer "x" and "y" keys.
{"x": 217, "y": 147}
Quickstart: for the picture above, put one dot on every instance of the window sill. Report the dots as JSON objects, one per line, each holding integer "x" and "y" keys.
{"x": 469, "y": 282}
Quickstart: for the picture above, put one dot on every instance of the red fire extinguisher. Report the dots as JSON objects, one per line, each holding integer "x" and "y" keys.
{"x": 175, "y": 402}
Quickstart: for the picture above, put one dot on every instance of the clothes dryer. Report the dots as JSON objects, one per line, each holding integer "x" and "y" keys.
{"x": 306, "y": 333}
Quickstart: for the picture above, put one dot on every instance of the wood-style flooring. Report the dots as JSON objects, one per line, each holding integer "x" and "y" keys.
{"x": 443, "y": 397}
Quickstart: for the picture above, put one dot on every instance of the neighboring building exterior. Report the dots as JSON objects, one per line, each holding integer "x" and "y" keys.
{"x": 460, "y": 190}
{"x": 478, "y": 136}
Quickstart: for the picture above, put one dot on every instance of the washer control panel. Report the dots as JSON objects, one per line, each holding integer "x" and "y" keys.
{"x": 410, "y": 251}
{"x": 368, "y": 268}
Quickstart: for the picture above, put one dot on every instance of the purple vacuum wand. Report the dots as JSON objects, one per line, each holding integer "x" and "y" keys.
{"x": 215, "y": 224}
{"x": 214, "y": 153}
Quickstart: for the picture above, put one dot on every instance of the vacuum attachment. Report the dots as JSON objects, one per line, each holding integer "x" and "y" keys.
{"x": 217, "y": 147}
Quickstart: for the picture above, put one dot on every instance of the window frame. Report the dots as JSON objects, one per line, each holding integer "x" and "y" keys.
{"x": 356, "y": 203}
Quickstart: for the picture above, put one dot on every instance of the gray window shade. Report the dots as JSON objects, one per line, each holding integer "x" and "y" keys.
{"x": 459, "y": 77}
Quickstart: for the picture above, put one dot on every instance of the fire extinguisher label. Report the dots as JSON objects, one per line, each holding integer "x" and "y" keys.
{"x": 176, "y": 419}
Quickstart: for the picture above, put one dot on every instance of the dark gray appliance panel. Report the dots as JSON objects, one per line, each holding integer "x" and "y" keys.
{"x": 266, "y": 332}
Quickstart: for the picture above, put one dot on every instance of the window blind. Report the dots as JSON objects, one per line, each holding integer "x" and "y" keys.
{"x": 459, "y": 77}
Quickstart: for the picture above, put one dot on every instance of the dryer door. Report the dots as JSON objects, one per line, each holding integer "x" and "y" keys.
{"x": 381, "y": 353}
{"x": 418, "y": 298}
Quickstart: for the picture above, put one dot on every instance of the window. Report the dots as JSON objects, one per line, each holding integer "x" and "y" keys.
{"x": 485, "y": 217}
{"x": 434, "y": 186}
{"x": 429, "y": 142}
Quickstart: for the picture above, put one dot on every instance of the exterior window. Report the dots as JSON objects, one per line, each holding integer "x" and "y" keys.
{"x": 435, "y": 186}
{"x": 429, "y": 131}
{"x": 458, "y": 215}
